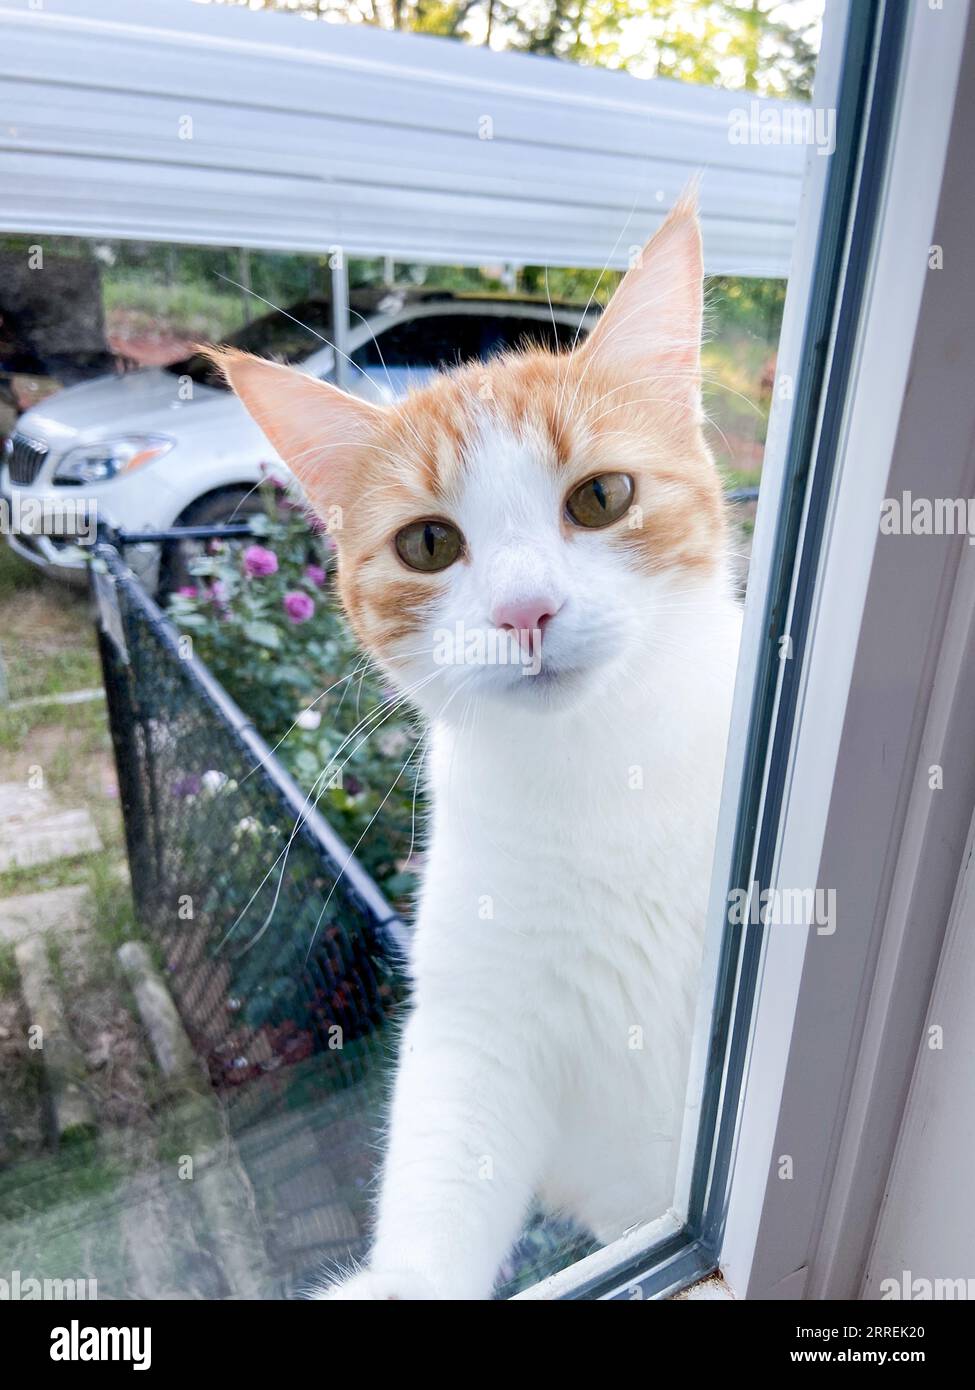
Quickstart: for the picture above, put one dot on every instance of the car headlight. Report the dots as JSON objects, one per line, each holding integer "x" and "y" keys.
{"x": 96, "y": 463}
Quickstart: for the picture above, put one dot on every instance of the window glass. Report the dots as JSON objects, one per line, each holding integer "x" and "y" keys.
{"x": 205, "y": 901}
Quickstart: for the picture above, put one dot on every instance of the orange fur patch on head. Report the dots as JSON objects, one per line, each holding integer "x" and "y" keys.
{"x": 677, "y": 518}
{"x": 589, "y": 422}
{"x": 627, "y": 400}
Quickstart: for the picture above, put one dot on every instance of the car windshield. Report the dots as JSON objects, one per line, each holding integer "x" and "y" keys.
{"x": 288, "y": 335}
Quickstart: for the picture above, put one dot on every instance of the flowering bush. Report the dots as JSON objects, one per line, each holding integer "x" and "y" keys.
{"x": 298, "y": 606}
{"x": 260, "y": 562}
{"x": 265, "y": 620}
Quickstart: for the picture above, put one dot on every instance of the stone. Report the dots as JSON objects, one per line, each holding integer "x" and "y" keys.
{"x": 56, "y": 909}
{"x": 71, "y": 1114}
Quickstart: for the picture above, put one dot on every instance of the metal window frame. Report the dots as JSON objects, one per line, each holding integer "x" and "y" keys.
{"x": 860, "y": 76}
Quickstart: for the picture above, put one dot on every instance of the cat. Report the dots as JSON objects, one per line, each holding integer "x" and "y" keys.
{"x": 566, "y": 505}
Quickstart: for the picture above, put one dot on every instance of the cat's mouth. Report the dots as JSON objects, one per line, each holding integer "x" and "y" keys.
{"x": 551, "y": 684}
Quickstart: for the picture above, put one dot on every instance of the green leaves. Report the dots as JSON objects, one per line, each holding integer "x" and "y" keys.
{"x": 276, "y": 670}
{"x": 264, "y": 634}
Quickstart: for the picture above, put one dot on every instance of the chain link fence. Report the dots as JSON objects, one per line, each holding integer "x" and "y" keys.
{"x": 285, "y": 961}
{"x": 276, "y": 942}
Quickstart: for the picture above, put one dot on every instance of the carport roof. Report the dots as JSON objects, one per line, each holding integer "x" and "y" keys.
{"x": 207, "y": 125}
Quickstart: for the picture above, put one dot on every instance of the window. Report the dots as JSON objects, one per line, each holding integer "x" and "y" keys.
{"x": 269, "y": 906}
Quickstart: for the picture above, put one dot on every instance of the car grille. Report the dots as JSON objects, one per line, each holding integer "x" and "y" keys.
{"x": 25, "y": 458}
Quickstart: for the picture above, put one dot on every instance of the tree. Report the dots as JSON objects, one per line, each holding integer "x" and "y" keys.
{"x": 736, "y": 43}
{"x": 763, "y": 46}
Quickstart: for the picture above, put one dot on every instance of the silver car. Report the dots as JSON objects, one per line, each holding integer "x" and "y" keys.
{"x": 171, "y": 446}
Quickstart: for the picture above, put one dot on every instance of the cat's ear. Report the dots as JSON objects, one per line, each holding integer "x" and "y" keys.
{"x": 315, "y": 427}
{"x": 652, "y": 326}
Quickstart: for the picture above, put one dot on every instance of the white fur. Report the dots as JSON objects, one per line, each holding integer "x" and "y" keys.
{"x": 559, "y": 928}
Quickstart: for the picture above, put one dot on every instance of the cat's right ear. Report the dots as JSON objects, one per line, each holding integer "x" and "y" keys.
{"x": 315, "y": 427}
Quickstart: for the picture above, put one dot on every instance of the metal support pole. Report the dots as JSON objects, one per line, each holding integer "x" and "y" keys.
{"x": 244, "y": 271}
{"x": 340, "y": 317}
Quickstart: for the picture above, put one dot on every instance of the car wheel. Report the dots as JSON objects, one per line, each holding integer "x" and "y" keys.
{"x": 222, "y": 508}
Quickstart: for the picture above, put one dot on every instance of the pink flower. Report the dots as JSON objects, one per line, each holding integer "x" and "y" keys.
{"x": 259, "y": 562}
{"x": 316, "y": 574}
{"x": 298, "y": 606}
{"x": 271, "y": 476}
{"x": 187, "y": 591}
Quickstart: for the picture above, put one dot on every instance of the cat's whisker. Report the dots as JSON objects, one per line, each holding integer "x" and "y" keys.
{"x": 397, "y": 707}
{"x": 360, "y": 669}
{"x": 387, "y": 708}
{"x": 355, "y": 847}
{"x": 277, "y": 308}
{"x": 319, "y": 785}
{"x": 290, "y": 730}
{"x": 599, "y": 278}
{"x": 375, "y": 342}
{"x": 641, "y": 400}
{"x": 362, "y": 665}
{"x": 631, "y": 383}
{"x": 249, "y": 493}
{"x": 713, "y": 424}
{"x": 416, "y": 792}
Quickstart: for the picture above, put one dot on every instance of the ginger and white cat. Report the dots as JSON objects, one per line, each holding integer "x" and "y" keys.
{"x": 569, "y": 502}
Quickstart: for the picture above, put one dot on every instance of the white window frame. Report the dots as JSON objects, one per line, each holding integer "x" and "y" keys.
{"x": 888, "y": 689}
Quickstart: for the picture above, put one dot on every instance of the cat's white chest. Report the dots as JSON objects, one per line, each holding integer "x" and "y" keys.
{"x": 560, "y": 932}
{"x": 570, "y": 918}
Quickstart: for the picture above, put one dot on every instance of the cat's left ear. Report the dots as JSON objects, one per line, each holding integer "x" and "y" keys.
{"x": 652, "y": 326}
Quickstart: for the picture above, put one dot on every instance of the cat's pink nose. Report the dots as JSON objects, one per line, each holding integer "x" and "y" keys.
{"x": 525, "y": 617}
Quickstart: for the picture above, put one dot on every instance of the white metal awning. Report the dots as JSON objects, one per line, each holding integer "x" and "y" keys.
{"x": 174, "y": 121}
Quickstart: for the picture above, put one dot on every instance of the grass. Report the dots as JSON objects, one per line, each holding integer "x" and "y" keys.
{"x": 59, "y": 1206}
{"x": 62, "y": 673}
{"x": 737, "y": 412}
{"x": 16, "y": 576}
{"x": 40, "y": 878}
{"x": 741, "y": 477}
{"x": 190, "y": 310}
{"x": 47, "y": 643}
{"x": 110, "y": 910}
{"x": 56, "y": 1179}
{"x": 9, "y": 975}
{"x": 69, "y": 743}
{"x": 47, "y": 637}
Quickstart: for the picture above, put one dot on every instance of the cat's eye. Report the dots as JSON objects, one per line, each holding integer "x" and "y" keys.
{"x": 601, "y": 500}
{"x": 429, "y": 545}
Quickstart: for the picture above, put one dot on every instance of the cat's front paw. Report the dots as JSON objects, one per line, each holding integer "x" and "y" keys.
{"x": 379, "y": 1286}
